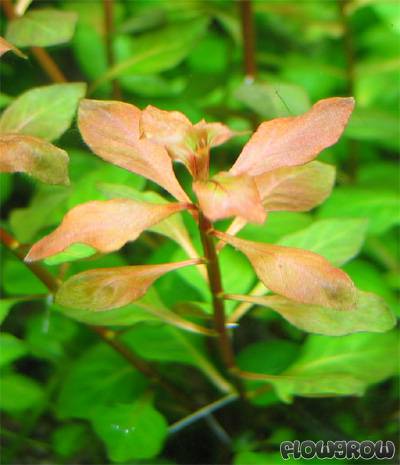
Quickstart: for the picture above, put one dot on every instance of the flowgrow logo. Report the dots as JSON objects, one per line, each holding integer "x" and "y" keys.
{"x": 338, "y": 449}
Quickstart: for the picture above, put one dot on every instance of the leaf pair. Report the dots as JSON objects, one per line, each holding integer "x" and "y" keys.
{"x": 272, "y": 172}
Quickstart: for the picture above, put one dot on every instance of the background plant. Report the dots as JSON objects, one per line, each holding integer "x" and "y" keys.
{"x": 178, "y": 57}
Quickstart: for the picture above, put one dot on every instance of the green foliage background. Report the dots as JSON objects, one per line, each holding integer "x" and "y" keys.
{"x": 62, "y": 390}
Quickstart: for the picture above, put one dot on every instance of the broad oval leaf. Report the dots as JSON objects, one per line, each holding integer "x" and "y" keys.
{"x": 295, "y": 140}
{"x": 44, "y": 112}
{"x": 297, "y": 188}
{"x": 41, "y": 28}
{"x": 371, "y": 314}
{"x": 225, "y": 195}
{"x": 104, "y": 225}
{"x": 343, "y": 365}
{"x": 111, "y": 130}
{"x": 297, "y": 274}
{"x": 5, "y": 47}
{"x": 33, "y": 156}
{"x": 131, "y": 431}
{"x": 107, "y": 288}
{"x": 336, "y": 239}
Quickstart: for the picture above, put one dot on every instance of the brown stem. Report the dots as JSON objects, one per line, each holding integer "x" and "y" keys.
{"x": 44, "y": 59}
{"x": 214, "y": 277}
{"x": 109, "y": 30}
{"x": 107, "y": 336}
{"x": 246, "y": 13}
{"x": 349, "y": 52}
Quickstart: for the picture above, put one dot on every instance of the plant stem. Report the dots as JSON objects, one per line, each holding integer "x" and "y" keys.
{"x": 109, "y": 30}
{"x": 44, "y": 59}
{"x": 215, "y": 282}
{"x": 246, "y": 13}
{"x": 107, "y": 336}
{"x": 348, "y": 49}
{"x": 202, "y": 412}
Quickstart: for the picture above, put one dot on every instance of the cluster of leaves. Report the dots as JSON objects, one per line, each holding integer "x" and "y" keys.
{"x": 163, "y": 53}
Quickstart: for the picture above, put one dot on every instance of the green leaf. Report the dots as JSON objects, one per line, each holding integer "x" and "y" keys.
{"x": 371, "y": 314}
{"x": 338, "y": 240}
{"x": 48, "y": 335}
{"x": 68, "y": 439}
{"x": 266, "y": 357}
{"x": 11, "y": 348}
{"x": 99, "y": 377}
{"x": 155, "y": 51}
{"x": 17, "y": 279}
{"x": 379, "y": 207}
{"x": 46, "y": 208}
{"x": 344, "y": 365}
{"x": 71, "y": 253}
{"x": 160, "y": 342}
{"x": 368, "y": 277}
{"x": 131, "y": 431}
{"x": 44, "y": 112}
{"x": 273, "y": 100}
{"x": 6, "y": 305}
{"x": 374, "y": 125}
{"x": 19, "y": 393}
{"x": 277, "y": 225}
{"x": 41, "y": 28}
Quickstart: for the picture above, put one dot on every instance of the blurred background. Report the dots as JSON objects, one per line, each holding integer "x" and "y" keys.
{"x": 240, "y": 63}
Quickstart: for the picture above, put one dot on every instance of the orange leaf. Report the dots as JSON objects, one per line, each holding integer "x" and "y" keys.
{"x": 105, "y": 225}
{"x": 226, "y": 195}
{"x": 36, "y": 157}
{"x": 5, "y": 47}
{"x": 111, "y": 130}
{"x": 185, "y": 142}
{"x": 108, "y": 288}
{"x": 297, "y": 188}
{"x": 295, "y": 140}
{"x": 297, "y": 274}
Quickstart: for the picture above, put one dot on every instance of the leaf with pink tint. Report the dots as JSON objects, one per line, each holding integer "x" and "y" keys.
{"x": 297, "y": 188}
{"x": 5, "y": 47}
{"x": 225, "y": 195}
{"x": 36, "y": 157}
{"x": 104, "y": 225}
{"x": 185, "y": 142}
{"x": 297, "y": 274}
{"x": 371, "y": 314}
{"x": 294, "y": 140}
{"x": 111, "y": 130}
{"x": 107, "y": 288}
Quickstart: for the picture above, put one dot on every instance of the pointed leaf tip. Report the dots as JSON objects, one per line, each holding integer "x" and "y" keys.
{"x": 111, "y": 130}
{"x": 297, "y": 274}
{"x": 296, "y": 140}
{"x": 104, "y": 225}
{"x": 107, "y": 288}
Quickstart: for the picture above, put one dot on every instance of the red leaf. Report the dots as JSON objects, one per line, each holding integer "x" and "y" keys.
{"x": 105, "y": 225}
{"x": 36, "y": 157}
{"x": 111, "y": 129}
{"x": 297, "y": 274}
{"x": 185, "y": 142}
{"x": 108, "y": 288}
{"x": 298, "y": 188}
{"x": 295, "y": 140}
{"x": 225, "y": 195}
